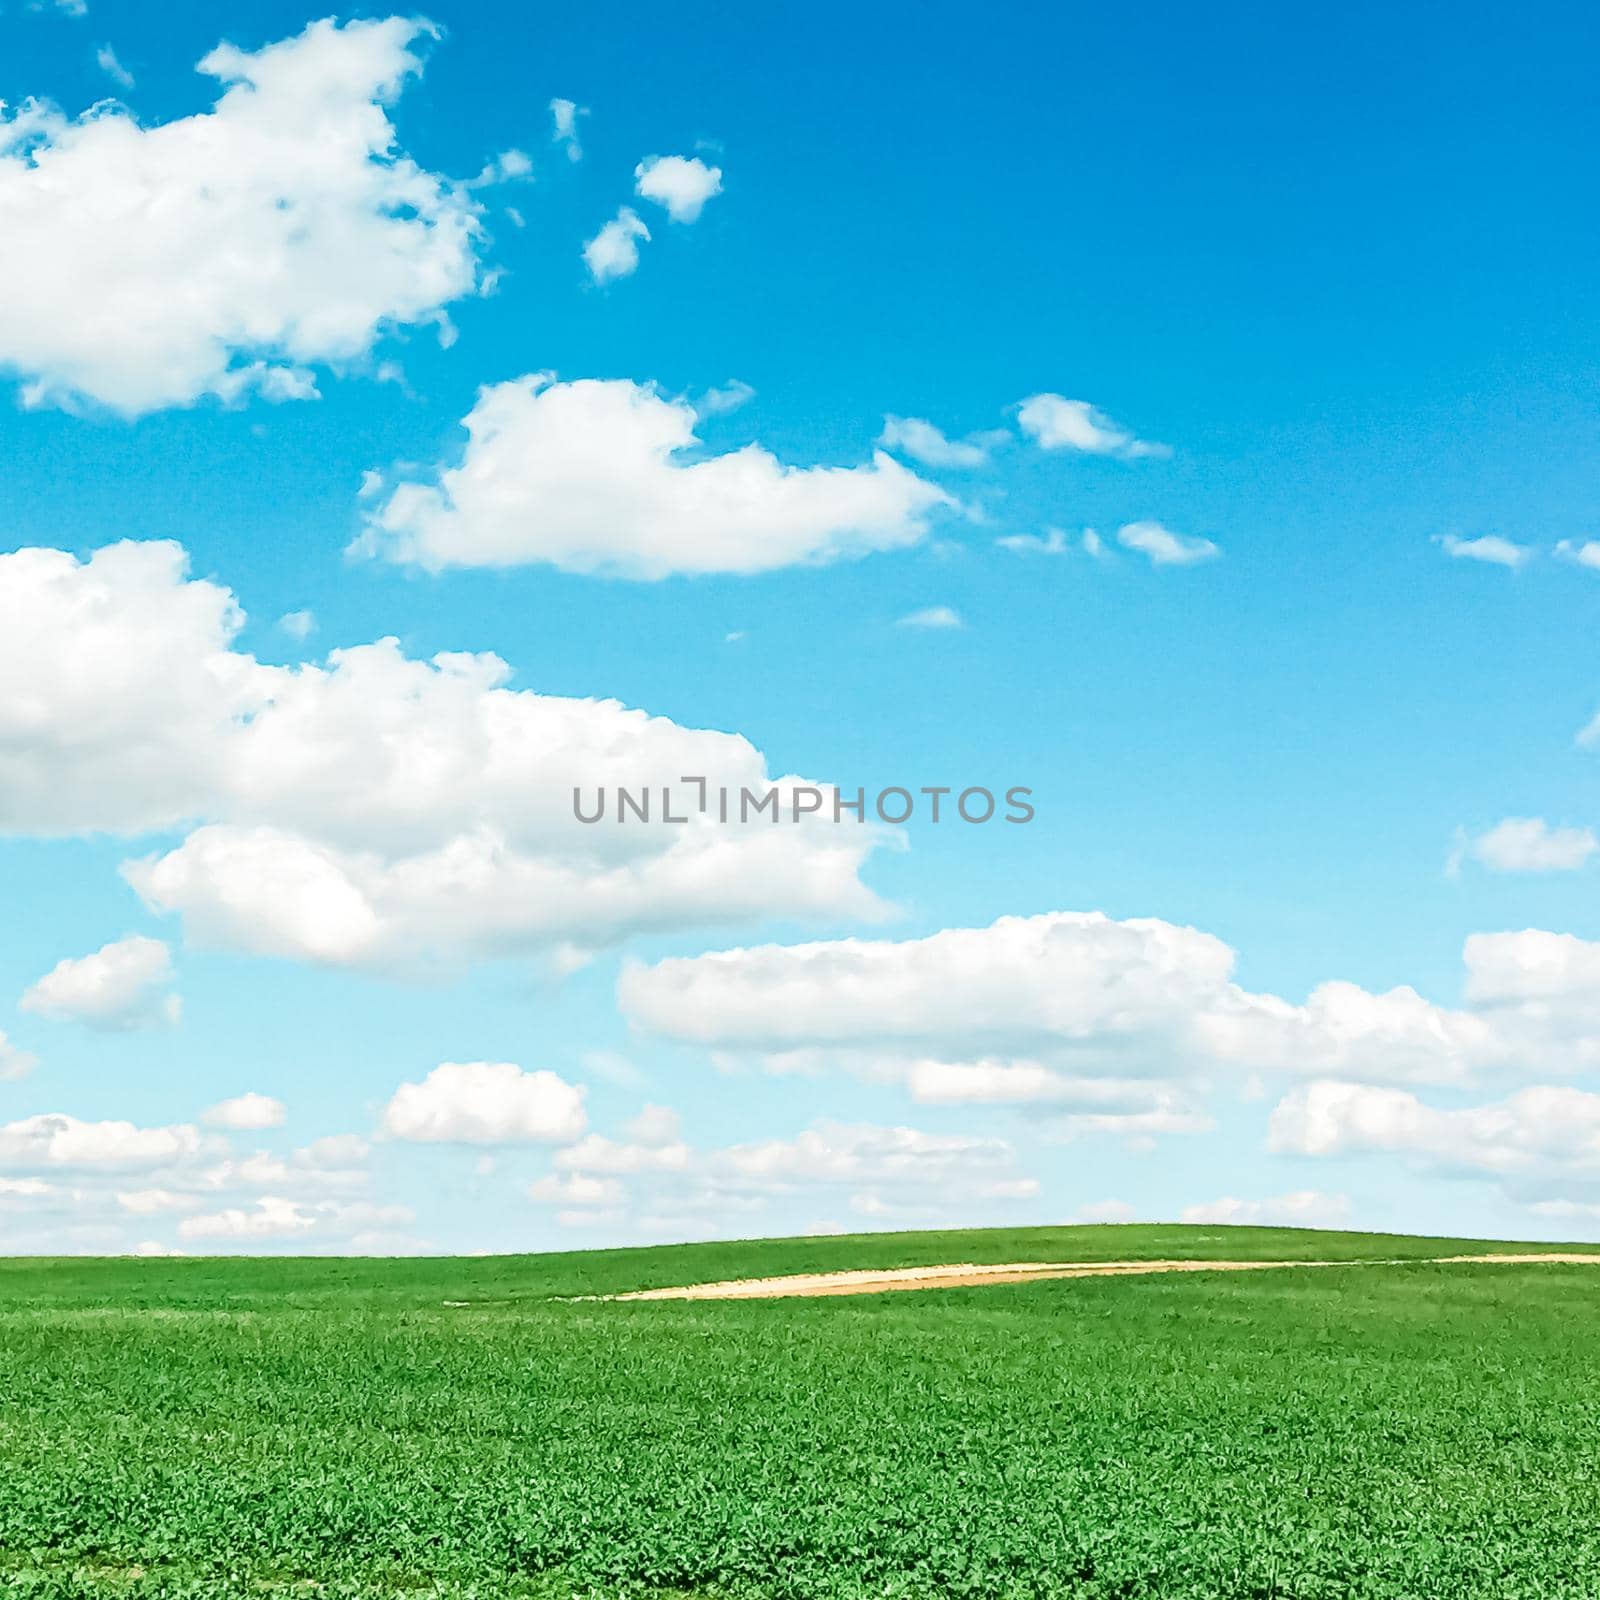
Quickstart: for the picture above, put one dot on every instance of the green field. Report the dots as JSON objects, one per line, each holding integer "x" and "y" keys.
{"x": 236, "y": 1427}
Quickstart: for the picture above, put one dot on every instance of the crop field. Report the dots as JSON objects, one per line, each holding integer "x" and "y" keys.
{"x": 236, "y": 1427}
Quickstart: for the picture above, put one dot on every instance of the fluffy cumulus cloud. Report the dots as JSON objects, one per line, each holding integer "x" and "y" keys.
{"x": 1096, "y": 1025}
{"x": 594, "y": 476}
{"x": 1537, "y": 1137}
{"x": 144, "y": 267}
{"x": 53, "y": 1141}
{"x": 1055, "y": 423}
{"x": 373, "y": 810}
{"x": 486, "y": 1102}
{"x": 614, "y": 250}
{"x": 246, "y": 1111}
{"x": 133, "y": 689}
{"x": 1530, "y": 844}
{"x": 680, "y": 184}
{"x": 1163, "y": 547}
{"x": 121, "y": 986}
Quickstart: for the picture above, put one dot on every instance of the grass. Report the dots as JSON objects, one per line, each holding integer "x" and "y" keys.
{"x": 233, "y": 1427}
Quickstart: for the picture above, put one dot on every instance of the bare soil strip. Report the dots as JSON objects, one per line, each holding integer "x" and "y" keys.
{"x": 968, "y": 1274}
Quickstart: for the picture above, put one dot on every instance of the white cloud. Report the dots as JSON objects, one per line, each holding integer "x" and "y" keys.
{"x": 923, "y": 442}
{"x": 1305, "y": 1208}
{"x": 1552, "y": 972}
{"x": 598, "y": 1154}
{"x": 1164, "y": 547}
{"x": 134, "y": 689}
{"x": 575, "y": 1189}
{"x": 1053, "y": 543}
{"x": 726, "y": 397}
{"x": 246, "y": 1111}
{"x": 681, "y": 184}
{"x": 614, "y": 250}
{"x": 564, "y": 116}
{"x": 279, "y": 1217}
{"x": 334, "y": 1151}
{"x": 1530, "y": 844}
{"x": 298, "y": 624}
{"x": 1101, "y": 1211}
{"x": 106, "y": 59}
{"x": 14, "y": 1062}
{"x": 157, "y": 1202}
{"x": 1541, "y": 1134}
{"x": 54, "y": 1140}
{"x": 1051, "y": 1011}
{"x": 1581, "y": 552}
{"x": 145, "y": 267}
{"x": 1490, "y": 549}
{"x": 1132, "y": 1107}
{"x": 486, "y": 1102}
{"x": 119, "y": 1172}
{"x": 932, "y": 617}
{"x": 272, "y": 1217}
{"x": 655, "y": 1126}
{"x": 588, "y": 476}
{"x": 837, "y": 1153}
{"x": 886, "y": 1171}
{"x": 384, "y": 811}
{"x": 122, "y": 985}
{"x": 374, "y": 810}
{"x": 1055, "y": 423}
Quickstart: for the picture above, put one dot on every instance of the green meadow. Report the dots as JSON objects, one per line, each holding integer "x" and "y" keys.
{"x": 236, "y": 1427}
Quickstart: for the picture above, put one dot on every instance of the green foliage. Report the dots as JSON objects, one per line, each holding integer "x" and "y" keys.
{"x": 234, "y": 1427}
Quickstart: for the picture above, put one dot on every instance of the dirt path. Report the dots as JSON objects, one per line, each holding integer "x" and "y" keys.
{"x": 966, "y": 1274}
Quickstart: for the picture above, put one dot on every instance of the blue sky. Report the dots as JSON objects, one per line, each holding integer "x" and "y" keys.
{"x": 1338, "y": 266}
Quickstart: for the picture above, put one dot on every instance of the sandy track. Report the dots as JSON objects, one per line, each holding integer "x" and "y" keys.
{"x": 968, "y": 1274}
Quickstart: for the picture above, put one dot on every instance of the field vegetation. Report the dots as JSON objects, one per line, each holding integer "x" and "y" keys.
{"x": 236, "y": 1427}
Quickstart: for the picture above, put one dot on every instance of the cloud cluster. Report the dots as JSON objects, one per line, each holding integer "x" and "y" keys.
{"x": 292, "y": 229}
{"x": 357, "y": 1225}
{"x": 1530, "y": 844}
{"x": 1535, "y": 1138}
{"x": 666, "y": 1185}
{"x": 374, "y": 810}
{"x": 607, "y": 476}
{"x": 681, "y": 185}
{"x": 485, "y": 1102}
{"x": 1115, "y": 1025}
{"x": 85, "y": 1183}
